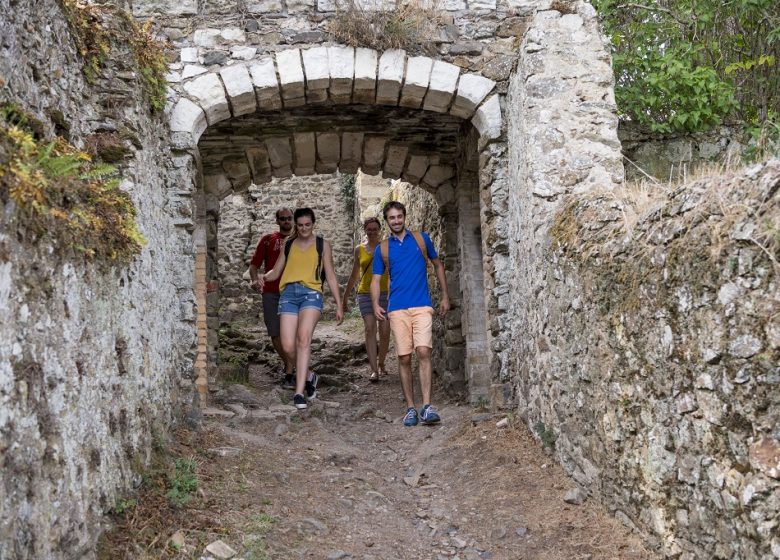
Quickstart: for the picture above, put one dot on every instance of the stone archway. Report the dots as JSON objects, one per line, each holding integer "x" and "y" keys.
{"x": 326, "y": 109}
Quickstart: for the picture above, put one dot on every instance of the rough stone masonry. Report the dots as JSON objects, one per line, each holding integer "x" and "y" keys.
{"x": 509, "y": 118}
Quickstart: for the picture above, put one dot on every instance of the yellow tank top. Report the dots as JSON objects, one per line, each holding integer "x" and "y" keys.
{"x": 366, "y": 262}
{"x": 301, "y": 266}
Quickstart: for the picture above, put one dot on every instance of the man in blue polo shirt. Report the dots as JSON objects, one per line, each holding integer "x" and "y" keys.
{"x": 409, "y": 308}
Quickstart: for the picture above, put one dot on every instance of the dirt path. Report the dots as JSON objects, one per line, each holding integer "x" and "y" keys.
{"x": 346, "y": 479}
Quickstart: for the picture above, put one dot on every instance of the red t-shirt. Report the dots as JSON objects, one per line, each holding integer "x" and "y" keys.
{"x": 268, "y": 250}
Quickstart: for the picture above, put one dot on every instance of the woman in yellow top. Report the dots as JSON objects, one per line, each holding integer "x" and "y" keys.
{"x": 361, "y": 275}
{"x": 300, "y": 300}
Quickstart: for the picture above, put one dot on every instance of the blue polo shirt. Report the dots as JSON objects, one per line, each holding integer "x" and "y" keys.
{"x": 408, "y": 271}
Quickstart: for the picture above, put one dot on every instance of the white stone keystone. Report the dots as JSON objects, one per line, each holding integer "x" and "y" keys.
{"x": 373, "y": 154}
{"x": 418, "y": 75}
{"x": 472, "y": 89}
{"x": 443, "y": 83}
{"x": 437, "y": 174}
{"x": 351, "y": 151}
{"x": 365, "y": 76}
{"x": 416, "y": 168}
{"x": 391, "y": 74}
{"x": 240, "y": 89}
{"x": 487, "y": 119}
{"x": 291, "y": 77}
{"x": 266, "y": 85}
{"x": 305, "y": 153}
{"x": 394, "y": 164}
{"x": 341, "y": 64}
{"x": 210, "y": 94}
{"x": 259, "y": 163}
{"x": 328, "y": 152}
{"x": 188, "y": 117}
{"x": 280, "y": 154}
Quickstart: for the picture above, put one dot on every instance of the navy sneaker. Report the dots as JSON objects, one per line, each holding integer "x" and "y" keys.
{"x": 311, "y": 386}
{"x": 428, "y": 415}
{"x": 299, "y": 401}
{"x": 410, "y": 419}
{"x": 289, "y": 381}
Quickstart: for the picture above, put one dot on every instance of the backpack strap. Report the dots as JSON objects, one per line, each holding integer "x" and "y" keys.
{"x": 287, "y": 245}
{"x": 384, "y": 250}
{"x": 320, "y": 272}
{"x": 421, "y": 244}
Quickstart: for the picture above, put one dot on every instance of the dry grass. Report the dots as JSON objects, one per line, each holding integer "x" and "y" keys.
{"x": 412, "y": 25}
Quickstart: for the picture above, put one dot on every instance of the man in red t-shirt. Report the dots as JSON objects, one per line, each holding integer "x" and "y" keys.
{"x": 266, "y": 253}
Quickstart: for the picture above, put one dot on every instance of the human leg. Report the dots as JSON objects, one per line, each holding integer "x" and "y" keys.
{"x": 384, "y": 337}
{"x": 307, "y": 320}
{"x": 424, "y": 370}
{"x": 405, "y": 372}
{"x": 370, "y": 327}
{"x": 273, "y": 326}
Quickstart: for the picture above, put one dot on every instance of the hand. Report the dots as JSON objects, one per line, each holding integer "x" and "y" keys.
{"x": 444, "y": 306}
{"x": 257, "y": 284}
{"x": 380, "y": 313}
{"x": 339, "y": 315}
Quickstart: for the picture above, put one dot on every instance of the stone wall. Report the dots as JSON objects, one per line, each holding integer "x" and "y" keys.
{"x": 244, "y": 218}
{"x": 674, "y": 157}
{"x": 91, "y": 359}
{"x": 655, "y": 361}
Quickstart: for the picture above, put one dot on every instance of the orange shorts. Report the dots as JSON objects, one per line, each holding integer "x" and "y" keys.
{"x": 411, "y": 328}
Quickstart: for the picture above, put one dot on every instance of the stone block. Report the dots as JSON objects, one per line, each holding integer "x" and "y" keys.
{"x": 373, "y": 154}
{"x": 395, "y": 162}
{"x": 210, "y": 94}
{"x": 189, "y": 54}
{"x": 416, "y": 168}
{"x": 280, "y": 154}
{"x": 390, "y": 76}
{"x": 487, "y": 119}
{"x": 266, "y": 84}
{"x": 259, "y": 164}
{"x": 300, "y": 6}
{"x": 328, "y": 152}
{"x": 237, "y": 170}
{"x": 365, "y": 76}
{"x": 437, "y": 174}
{"x": 217, "y": 185}
{"x": 243, "y": 53}
{"x": 472, "y": 89}
{"x": 418, "y": 75}
{"x": 291, "y": 78}
{"x": 232, "y": 35}
{"x": 315, "y": 68}
{"x": 265, "y": 7}
{"x": 240, "y": 89}
{"x": 175, "y": 8}
{"x": 188, "y": 117}
{"x": 442, "y": 86}
{"x": 341, "y": 65}
{"x": 192, "y": 70}
{"x": 305, "y": 159}
{"x": 351, "y": 151}
{"x": 206, "y": 37}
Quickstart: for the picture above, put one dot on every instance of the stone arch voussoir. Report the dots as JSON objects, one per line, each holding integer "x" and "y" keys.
{"x": 338, "y": 75}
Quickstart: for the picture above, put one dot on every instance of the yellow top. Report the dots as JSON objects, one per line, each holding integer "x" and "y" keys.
{"x": 301, "y": 266}
{"x": 366, "y": 262}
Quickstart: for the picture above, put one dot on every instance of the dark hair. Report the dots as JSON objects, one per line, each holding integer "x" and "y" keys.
{"x": 371, "y": 220}
{"x": 301, "y": 212}
{"x": 283, "y": 209}
{"x": 393, "y": 205}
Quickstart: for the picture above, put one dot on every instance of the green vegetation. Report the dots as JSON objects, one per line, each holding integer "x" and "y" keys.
{"x": 124, "y": 504}
{"x": 686, "y": 65}
{"x": 98, "y": 29}
{"x": 62, "y": 196}
{"x": 546, "y": 436}
{"x": 182, "y": 482}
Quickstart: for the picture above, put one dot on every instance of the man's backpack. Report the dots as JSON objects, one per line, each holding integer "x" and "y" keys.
{"x": 384, "y": 249}
{"x": 320, "y": 242}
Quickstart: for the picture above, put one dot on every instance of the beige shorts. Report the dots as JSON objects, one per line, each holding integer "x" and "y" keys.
{"x": 411, "y": 328}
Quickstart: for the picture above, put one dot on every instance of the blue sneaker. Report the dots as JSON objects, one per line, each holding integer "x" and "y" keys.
{"x": 410, "y": 419}
{"x": 429, "y": 415}
{"x": 311, "y": 386}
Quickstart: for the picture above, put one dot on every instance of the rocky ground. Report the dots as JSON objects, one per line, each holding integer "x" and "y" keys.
{"x": 346, "y": 479}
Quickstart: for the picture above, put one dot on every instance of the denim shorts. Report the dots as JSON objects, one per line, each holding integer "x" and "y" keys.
{"x": 296, "y": 297}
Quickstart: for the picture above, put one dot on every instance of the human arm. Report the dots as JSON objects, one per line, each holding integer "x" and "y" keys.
{"x": 330, "y": 276}
{"x": 257, "y": 259}
{"x": 379, "y": 313}
{"x": 438, "y": 267}
{"x": 353, "y": 277}
{"x": 276, "y": 271}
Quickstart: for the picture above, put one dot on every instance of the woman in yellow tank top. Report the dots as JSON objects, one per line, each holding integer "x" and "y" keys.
{"x": 300, "y": 300}
{"x": 361, "y": 275}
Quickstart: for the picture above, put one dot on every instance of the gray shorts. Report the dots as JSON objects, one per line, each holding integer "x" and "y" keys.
{"x": 364, "y": 303}
{"x": 271, "y": 313}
